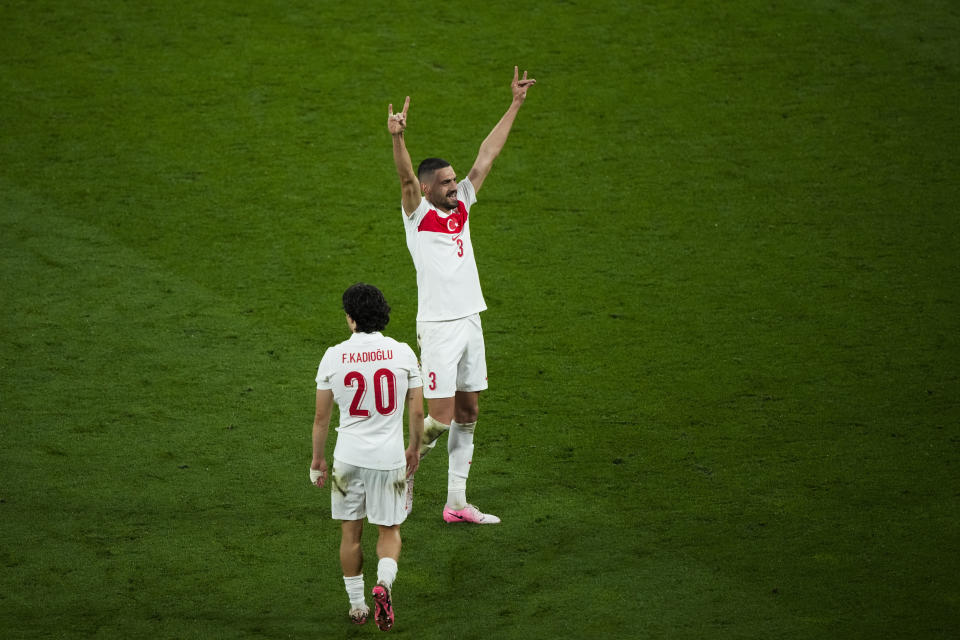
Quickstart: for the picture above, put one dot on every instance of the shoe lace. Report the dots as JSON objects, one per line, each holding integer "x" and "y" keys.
{"x": 476, "y": 513}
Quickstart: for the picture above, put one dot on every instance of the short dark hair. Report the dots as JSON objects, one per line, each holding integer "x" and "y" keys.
{"x": 367, "y": 306}
{"x": 429, "y": 165}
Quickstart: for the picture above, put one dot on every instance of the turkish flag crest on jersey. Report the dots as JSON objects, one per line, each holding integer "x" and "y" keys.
{"x": 453, "y": 224}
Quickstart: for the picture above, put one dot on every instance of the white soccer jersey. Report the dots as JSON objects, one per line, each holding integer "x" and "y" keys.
{"x": 369, "y": 375}
{"x": 448, "y": 284}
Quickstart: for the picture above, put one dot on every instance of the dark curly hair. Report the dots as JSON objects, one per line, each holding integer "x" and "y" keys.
{"x": 367, "y": 306}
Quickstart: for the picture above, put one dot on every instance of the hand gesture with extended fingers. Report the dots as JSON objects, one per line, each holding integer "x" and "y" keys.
{"x": 397, "y": 122}
{"x": 519, "y": 85}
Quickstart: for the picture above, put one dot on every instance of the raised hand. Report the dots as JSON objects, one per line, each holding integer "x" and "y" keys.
{"x": 519, "y": 85}
{"x": 397, "y": 122}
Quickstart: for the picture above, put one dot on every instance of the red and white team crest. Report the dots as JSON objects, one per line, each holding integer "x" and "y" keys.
{"x": 452, "y": 224}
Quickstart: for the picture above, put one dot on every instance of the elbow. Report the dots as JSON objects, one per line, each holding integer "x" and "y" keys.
{"x": 409, "y": 184}
{"x": 486, "y": 157}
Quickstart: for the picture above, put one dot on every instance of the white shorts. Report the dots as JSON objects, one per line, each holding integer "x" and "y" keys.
{"x": 357, "y": 493}
{"x": 452, "y": 356}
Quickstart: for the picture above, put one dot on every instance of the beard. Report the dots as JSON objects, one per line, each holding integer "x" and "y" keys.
{"x": 446, "y": 201}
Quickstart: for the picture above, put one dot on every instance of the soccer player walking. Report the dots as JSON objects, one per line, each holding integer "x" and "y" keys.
{"x": 368, "y": 376}
{"x": 435, "y": 213}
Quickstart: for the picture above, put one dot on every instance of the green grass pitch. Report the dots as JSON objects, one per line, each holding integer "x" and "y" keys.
{"x": 720, "y": 254}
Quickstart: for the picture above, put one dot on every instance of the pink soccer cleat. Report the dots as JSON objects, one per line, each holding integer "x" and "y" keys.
{"x": 468, "y": 514}
{"x": 384, "y": 608}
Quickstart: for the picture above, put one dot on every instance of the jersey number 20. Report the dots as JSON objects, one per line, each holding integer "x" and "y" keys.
{"x": 384, "y": 392}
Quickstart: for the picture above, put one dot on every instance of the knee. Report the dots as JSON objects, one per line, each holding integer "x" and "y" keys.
{"x": 352, "y": 533}
{"x": 389, "y": 534}
{"x": 467, "y": 410}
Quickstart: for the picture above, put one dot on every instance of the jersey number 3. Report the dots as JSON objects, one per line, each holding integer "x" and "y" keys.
{"x": 459, "y": 248}
{"x": 384, "y": 392}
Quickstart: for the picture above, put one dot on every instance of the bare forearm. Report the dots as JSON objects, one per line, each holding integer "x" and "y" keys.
{"x": 416, "y": 429}
{"x": 415, "y": 417}
{"x": 320, "y": 430}
{"x": 401, "y": 157}
{"x": 409, "y": 185}
{"x": 493, "y": 143}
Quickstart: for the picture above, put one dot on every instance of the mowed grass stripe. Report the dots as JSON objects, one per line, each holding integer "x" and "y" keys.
{"x": 722, "y": 325}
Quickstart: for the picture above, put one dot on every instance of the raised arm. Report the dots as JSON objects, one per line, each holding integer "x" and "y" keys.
{"x": 409, "y": 185}
{"x": 494, "y": 142}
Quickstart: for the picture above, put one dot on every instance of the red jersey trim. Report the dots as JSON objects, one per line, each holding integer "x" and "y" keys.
{"x": 451, "y": 225}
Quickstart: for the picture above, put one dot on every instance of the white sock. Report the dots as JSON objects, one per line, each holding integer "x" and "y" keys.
{"x": 386, "y": 572}
{"x": 460, "y": 450}
{"x": 354, "y": 586}
{"x": 432, "y": 430}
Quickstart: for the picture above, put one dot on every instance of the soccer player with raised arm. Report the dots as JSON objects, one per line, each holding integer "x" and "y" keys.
{"x": 370, "y": 376}
{"x": 436, "y": 209}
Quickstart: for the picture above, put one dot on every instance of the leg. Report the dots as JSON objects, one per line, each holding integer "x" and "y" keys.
{"x": 433, "y": 428}
{"x": 388, "y": 548}
{"x": 385, "y": 509}
{"x": 463, "y": 408}
{"x": 389, "y": 543}
{"x": 351, "y": 551}
{"x": 439, "y": 355}
{"x": 440, "y": 412}
{"x": 471, "y": 379}
{"x": 460, "y": 448}
{"x": 351, "y": 560}
{"x": 467, "y": 406}
{"x": 442, "y": 409}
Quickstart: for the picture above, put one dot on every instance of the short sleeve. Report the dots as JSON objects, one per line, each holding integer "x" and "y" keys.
{"x": 466, "y": 193}
{"x": 413, "y": 372}
{"x": 418, "y": 213}
{"x": 326, "y": 371}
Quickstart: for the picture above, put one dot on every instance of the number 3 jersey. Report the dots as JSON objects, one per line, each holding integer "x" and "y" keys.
{"x": 369, "y": 375}
{"x": 448, "y": 285}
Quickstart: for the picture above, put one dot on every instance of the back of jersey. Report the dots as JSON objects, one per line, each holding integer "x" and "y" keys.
{"x": 369, "y": 375}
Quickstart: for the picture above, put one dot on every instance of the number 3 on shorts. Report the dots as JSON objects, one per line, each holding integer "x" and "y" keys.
{"x": 433, "y": 381}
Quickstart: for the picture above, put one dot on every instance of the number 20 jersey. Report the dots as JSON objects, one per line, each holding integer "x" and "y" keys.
{"x": 448, "y": 284}
{"x": 369, "y": 375}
